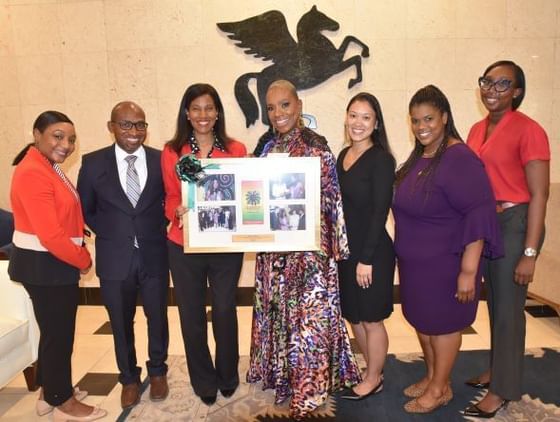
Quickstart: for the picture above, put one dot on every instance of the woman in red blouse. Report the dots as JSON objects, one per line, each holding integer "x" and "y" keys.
{"x": 48, "y": 257}
{"x": 516, "y": 154}
{"x": 201, "y": 130}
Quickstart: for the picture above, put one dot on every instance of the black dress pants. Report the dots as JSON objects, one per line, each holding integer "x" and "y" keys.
{"x": 55, "y": 310}
{"x": 119, "y": 297}
{"x": 191, "y": 274}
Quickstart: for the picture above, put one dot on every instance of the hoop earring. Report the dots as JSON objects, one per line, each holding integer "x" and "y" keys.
{"x": 301, "y": 122}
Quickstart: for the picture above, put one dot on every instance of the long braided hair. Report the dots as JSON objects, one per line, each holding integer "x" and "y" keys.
{"x": 433, "y": 96}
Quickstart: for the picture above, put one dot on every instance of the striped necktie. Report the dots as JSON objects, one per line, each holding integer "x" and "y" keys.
{"x": 132, "y": 181}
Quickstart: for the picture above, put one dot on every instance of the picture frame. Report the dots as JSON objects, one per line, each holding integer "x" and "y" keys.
{"x": 269, "y": 204}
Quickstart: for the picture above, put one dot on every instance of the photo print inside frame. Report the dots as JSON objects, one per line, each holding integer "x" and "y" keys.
{"x": 288, "y": 186}
{"x": 216, "y": 187}
{"x": 287, "y": 217}
{"x": 216, "y": 219}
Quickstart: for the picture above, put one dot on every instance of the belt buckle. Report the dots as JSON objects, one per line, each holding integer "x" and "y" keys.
{"x": 501, "y": 206}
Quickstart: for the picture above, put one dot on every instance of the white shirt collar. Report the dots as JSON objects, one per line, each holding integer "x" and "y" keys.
{"x": 121, "y": 154}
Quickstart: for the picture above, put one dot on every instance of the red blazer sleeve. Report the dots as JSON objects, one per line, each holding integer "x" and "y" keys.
{"x": 53, "y": 221}
{"x": 171, "y": 182}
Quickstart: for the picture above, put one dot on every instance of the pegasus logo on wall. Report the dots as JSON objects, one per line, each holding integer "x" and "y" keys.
{"x": 306, "y": 63}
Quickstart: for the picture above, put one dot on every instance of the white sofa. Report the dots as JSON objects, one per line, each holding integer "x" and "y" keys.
{"x": 19, "y": 333}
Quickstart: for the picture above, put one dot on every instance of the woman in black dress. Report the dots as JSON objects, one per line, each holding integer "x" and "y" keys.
{"x": 366, "y": 172}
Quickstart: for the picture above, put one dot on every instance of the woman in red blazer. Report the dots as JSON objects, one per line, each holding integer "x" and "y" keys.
{"x": 48, "y": 257}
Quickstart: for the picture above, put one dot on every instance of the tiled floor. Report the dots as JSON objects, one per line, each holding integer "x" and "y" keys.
{"x": 94, "y": 366}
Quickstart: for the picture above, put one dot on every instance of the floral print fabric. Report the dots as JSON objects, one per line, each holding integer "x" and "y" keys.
{"x": 299, "y": 343}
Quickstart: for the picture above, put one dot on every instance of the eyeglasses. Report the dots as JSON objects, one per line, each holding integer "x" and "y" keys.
{"x": 501, "y": 85}
{"x": 127, "y": 125}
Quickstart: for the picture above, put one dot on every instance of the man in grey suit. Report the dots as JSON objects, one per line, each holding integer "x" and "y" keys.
{"x": 122, "y": 196}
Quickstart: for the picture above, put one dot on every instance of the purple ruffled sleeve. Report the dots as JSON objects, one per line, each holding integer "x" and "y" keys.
{"x": 469, "y": 192}
{"x": 480, "y": 223}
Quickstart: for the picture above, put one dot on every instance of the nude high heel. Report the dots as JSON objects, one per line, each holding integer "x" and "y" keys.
{"x": 43, "y": 408}
{"x": 60, "y": 416}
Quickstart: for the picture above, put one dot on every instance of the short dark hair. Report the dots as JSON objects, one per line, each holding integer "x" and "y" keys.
{"x": 184, "y": 127}
{"x": 519, "y": 79}
{"x": 43, "y": 121}
{"x": 49, "y": 117}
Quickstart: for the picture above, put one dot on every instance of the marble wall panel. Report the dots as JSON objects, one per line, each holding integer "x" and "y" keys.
{"x": 383, "y": 20}
{"x": 40, "y": 79}
{"x": 82, "y": 27}
{"x": 36, "y": 29}
{"x": 83, "y": 56}
{"x": 534, "y": 19}
{"x": 9, "y": 82}
{"x": 86, "y": 77}
{"x": 489, "y": 21}
{"x": 430, "y": 19}
{"x": 7, "y": 47}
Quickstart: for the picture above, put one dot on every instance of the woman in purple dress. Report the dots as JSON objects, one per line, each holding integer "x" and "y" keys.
{"x": 445, "y": 219}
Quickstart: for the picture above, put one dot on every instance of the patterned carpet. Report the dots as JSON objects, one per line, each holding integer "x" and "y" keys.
{"x": 540, "y": 403}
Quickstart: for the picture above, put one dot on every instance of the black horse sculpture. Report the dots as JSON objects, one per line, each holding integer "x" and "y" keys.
{"x": 307, "y": 63}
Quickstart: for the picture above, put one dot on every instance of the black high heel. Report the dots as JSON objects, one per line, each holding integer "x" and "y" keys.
{"x": 350, "y": 394}
{"x": 476, "y": 412}
{"x": 475, "y": 383}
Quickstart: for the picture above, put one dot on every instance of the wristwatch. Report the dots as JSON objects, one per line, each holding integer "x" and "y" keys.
{"x": 530, "y": 252}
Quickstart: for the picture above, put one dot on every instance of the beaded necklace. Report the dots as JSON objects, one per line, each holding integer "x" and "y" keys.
{"x": 195, "y": 149}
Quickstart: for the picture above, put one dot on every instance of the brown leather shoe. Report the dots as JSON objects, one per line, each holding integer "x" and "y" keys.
{"x": 158, "y": 388}
{"x": 130, "y": 395}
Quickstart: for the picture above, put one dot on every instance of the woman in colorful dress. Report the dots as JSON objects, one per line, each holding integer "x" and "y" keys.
{"x": 445, "y": 220}
{"x": 366, "y": 170}
{"x": 516, "y": 154}
{"x": 201, "y": 131}
{"x": 299, "y": 344}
